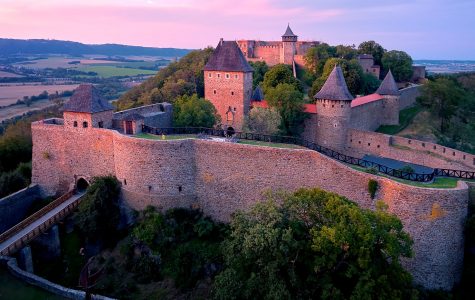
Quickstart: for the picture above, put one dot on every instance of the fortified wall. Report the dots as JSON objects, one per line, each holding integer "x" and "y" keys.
{"x": 221, "y": 177}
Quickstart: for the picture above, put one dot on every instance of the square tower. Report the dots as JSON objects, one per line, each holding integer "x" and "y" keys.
{"x": 228, "y": 84}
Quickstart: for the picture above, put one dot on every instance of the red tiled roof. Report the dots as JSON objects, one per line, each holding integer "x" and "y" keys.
{"x": 308, "y": 108}
{"x": 366, "y": 99}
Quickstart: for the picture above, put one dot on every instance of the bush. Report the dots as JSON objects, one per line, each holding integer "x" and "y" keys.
{"x": 372, "y": 187}
{"x": 372, "y": 170}
{"x": 99, "y": 213}
{"x": 407, "y": 169}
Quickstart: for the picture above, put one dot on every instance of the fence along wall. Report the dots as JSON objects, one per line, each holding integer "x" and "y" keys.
{"x": 432, "y": 155}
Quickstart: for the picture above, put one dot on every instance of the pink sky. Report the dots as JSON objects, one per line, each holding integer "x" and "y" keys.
{"x": 396, "y": 24}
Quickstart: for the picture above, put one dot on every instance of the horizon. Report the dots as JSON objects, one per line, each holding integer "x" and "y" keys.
{"x": 440, "y": 34}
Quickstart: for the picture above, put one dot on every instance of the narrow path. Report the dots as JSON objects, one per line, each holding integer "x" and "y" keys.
{"x": 39, "y": 221}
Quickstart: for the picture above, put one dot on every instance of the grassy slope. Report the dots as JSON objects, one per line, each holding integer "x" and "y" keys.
{"x": 405, "y": 118}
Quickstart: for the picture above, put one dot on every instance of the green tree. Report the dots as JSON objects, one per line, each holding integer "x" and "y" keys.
{"x": 288, "y": 101}
{"x": 400, "y": 64}
{"x": 260, "y": 70}
{"x": 316, "y": 57}
{"x": 99, "y": 212}
{"x": 192, "y": 111}
{"x": 373, "y": 48}
{"x": 315, "y": 245}
{"x": 279, "y": 74}
{"x": 263, "y": 120}
{"x": 346, "y": 52}
{"x": 351, "y": 71}
{"x": 369, "y": 84}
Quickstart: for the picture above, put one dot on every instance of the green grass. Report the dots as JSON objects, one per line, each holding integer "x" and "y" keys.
{"x": 111, "y": 71}
{"x": 167, "y": 137}
{"x": 405, "y": 118}
{"x": 438, "y": 183}
{"x": 267, "y": 144}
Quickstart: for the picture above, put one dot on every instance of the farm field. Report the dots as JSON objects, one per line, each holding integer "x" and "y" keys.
{"x": 58, "y": 62}
{"x": 11, "y": 93}
{"x": 8, "y": 75}
{"x": 111, "y": 71}
{"x": 20, "y": 109}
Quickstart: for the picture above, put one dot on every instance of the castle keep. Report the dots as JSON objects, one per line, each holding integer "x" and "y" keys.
{"x": 219, "y": 177}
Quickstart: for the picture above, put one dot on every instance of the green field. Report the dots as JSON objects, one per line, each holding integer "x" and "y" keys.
{"x": 111, "y": 71}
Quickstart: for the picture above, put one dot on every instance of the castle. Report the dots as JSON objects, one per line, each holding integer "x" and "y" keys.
{"x": 219, "y": 177}
{"x": 288, "y": 51}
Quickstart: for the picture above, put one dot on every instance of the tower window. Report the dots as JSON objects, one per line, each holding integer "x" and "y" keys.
{"x": 100, "y": 124}
{"x": 234, "y": 109}
{"x": 75, "y": 124}
{"x": 227, "y": 76}
{"x": 210, "y": 75}
{"x": 84, "y": 124}
{"x": 232, "y": 93}
{"x": 214, "y": 92}
{"x": 219, "y": 75}
{"x": 236, "y": 76}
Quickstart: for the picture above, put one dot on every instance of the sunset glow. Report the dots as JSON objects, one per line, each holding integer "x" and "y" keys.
{"x": 425, "y": 29}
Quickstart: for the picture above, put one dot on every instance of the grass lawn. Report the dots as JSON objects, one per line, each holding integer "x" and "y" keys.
{"x": 405, "y": 117}
{"x": 167, "y": 137}
{"x": 438, "y": 183}
{"x": 111, "y": 71}
{"x": 274, "y": 145}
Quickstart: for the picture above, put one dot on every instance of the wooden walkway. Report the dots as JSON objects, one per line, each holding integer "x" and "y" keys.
{"x": 21, "y": 234}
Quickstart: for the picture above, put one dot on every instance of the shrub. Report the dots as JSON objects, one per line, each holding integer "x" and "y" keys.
{"x": 372, "y": 187}
{"x": 372, "y": 170}
{"x": 407, "y": 169}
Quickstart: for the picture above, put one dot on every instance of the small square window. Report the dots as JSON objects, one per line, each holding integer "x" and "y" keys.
{"x": 232, "y": 93}
{"x": 219, "y": 75}
{"x": 101, "y": 124}
{"x": 210, "y": 75}
{"x": 227, "y": 76}
{"x": 75, "y": 124}
{"x": 214, "y": 92}
{"x": 236, "y": 76}
{"x": 84, "y": 124}
{"x": 369, "y": 144}
{"x": 234, "y": 109}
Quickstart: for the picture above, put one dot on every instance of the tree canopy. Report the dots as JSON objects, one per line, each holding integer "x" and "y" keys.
{"x": 260, "y": 69}
{"x": 400, "y": 64}
{"x": 288, "y": 101}
{"x": 373, "y": 48}
{"x": 315, "y": 245}
{"x": 280, "y": 74}
{"x": 184, "y": 77}
{"x": 192, "y": 111}
{"x": 263, "y": 120}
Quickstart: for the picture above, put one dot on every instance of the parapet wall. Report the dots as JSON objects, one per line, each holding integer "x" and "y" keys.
{"x": 368, "y": 116}
{"x": 424, "y": 153}
{"x": 13, "y": 208}
{"x": 221, "y": 177}
{"x": 408, "y": 96}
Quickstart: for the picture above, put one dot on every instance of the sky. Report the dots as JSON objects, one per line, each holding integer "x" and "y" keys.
{"x": 426, "y": 29}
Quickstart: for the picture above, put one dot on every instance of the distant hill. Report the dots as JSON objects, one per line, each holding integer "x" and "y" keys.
{"x": 15, "y": 47}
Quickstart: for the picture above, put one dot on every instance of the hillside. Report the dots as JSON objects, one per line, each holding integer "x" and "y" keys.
{"x": 40, "y": 46}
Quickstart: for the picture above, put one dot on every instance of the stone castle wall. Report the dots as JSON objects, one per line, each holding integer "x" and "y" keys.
{"x": 222, "y": 177}
{"x": 155, "y": 115}
{"x": 14, "y": 207}
{"x": 368, "y": 116}
{"x": 408, "y": 96}
{"x": 362, "y": 142}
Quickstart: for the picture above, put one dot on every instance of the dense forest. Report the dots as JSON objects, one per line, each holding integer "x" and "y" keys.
{"x": 39, "y": 46}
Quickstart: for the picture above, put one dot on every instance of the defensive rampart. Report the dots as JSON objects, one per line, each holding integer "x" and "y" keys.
{"x": 221, "y": 177}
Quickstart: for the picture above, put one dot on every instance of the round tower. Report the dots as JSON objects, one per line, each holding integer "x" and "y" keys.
{"x": 333, "y": 111}
{"x": 288, "y": 50}
{"x": 388, "y": 89}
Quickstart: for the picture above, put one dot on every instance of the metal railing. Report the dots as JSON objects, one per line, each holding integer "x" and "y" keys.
{"x": 41, "y": 228}
{"x": 411, "y": 176}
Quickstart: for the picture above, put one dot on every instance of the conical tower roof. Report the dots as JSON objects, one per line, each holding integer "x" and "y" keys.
{"x": 228, "y": 57}
{"x": 86, "y": 98}
{"x": 288, "y": 32}
{"x": 335, "y": 87}
{"x": 388, "y": 86}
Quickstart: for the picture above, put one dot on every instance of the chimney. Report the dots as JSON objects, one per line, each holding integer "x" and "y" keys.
{"x": 221, "y": 41}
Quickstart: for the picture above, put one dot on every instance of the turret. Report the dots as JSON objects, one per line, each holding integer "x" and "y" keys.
{"x": 228, "y": 84}
{"x": 388, "y": 89}
{"x": 334, "y": 111}
{"x": 87, "y": 109}
{"x": 289, "y": 39}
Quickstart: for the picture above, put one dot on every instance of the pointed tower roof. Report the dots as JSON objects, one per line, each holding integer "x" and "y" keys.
{"x": 86, "y": 98}
{"x": 388, "y": 86}
{"x": 288, "y": 32}
{"x": 335, "y": 87}
{"x": 228, "y": 57}
{"x": 257, "y": 95}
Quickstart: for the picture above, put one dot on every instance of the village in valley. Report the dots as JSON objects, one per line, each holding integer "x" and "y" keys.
{"x": 249, "y": 169}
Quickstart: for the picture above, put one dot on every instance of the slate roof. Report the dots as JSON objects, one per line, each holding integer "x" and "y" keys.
{"x": 86, "y": 98}
{"x": 288, "y": 32}
{"x": 228, "y": 57}
{"x": 133, "y": 117}
{"x": 335, "y": 87}
{"x": 257, "y": 95}
{"x": 388, "y": 86}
